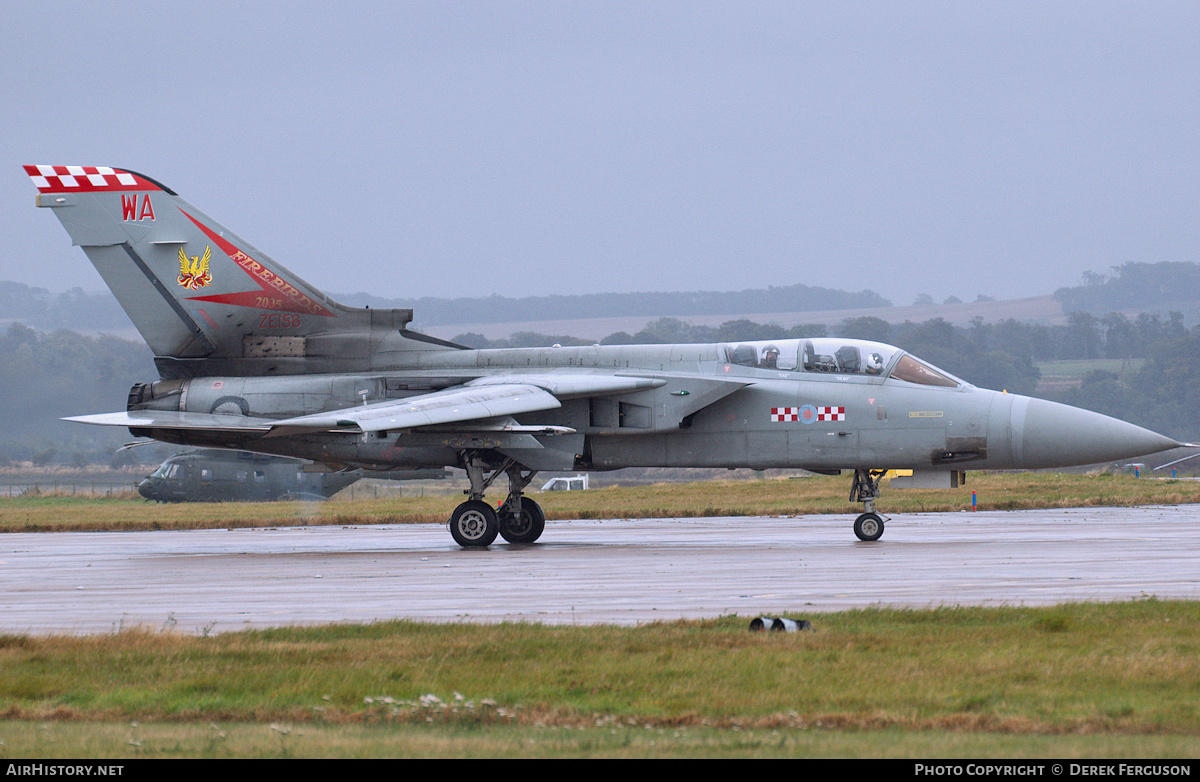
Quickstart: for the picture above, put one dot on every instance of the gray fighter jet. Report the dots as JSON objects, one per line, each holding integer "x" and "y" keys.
{"x": 253, "y": 358}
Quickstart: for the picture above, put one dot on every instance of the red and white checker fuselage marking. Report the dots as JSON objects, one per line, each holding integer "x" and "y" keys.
{"x": 807, "y": 414}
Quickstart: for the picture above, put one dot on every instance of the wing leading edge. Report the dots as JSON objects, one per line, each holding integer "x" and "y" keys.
{"x": 171, "y": 419}
{"x": 456, "y": 405}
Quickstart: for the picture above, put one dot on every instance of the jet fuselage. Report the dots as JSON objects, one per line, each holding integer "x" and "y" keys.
{"x": 708, "y": 412}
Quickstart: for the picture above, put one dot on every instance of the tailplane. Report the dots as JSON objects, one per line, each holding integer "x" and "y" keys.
{"x": 194, "y": 289}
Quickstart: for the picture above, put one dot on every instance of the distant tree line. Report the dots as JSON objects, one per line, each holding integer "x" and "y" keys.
{"x": 1150, "y": 287}
{"x": 1163, "y": 394}
{"x": 1168, "y": 285}
{"x": 46, "y": 376}
{"x": 74, "y": 309}
{"x": 501, "y": 309}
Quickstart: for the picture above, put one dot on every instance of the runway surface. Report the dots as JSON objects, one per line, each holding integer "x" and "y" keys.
{"x": 587, "y": 572}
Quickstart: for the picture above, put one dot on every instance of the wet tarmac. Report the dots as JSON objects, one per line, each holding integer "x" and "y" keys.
{"x": 588, "y": 572}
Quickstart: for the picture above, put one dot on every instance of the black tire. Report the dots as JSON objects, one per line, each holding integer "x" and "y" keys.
{"x": 473, "y": 524}
{"x": 868, "y": 527}
{"x": 524, "y": 527}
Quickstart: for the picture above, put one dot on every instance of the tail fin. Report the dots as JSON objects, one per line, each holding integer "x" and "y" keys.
{"x": 194, "y": 289}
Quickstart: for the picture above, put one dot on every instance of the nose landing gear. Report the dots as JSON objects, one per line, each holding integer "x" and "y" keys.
{"x": 868, "y": 526}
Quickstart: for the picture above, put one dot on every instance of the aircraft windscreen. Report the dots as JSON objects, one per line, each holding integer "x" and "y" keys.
{"x": 912, "y": 370}
{"x": 837, "y": 356}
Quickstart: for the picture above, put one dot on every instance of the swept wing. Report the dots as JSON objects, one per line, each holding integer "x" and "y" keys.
{"x": 480, "y": 405}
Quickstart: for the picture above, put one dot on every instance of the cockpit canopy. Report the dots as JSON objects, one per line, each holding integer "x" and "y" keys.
{"x": 838, "y": 356}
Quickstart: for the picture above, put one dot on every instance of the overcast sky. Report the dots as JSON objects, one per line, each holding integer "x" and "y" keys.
{"x": 517, "y": 148}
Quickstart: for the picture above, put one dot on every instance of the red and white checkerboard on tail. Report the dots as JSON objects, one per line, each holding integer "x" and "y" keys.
{"x": 85, "y": 179}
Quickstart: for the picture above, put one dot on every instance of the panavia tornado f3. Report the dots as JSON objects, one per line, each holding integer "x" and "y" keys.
{"x": 252, "y": 358}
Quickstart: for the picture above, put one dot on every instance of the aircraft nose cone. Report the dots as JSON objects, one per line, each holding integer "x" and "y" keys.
{"x": 146, "y": 489}
{"x": 1056, "y": 435}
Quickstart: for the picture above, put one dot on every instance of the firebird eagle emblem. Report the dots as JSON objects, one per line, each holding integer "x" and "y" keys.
{"x": 194, "y": 274}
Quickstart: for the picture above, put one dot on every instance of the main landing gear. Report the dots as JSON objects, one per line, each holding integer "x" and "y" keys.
{"x": 868, "y": 526}
{"x": 475, "y": 524}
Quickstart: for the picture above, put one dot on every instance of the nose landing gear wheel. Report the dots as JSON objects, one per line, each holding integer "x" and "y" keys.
{"x": 474, "y": 524}
{"x": 868, "y": 527}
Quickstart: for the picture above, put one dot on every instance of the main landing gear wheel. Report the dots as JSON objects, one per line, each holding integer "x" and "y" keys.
{"x": 868, "y": 527}
{"x": 474, "y": 524}
{"x": 525, "y": 526}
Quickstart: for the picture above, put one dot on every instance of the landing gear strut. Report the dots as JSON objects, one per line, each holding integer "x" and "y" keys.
{"x": 475, "y": 524}
{"x": 868, "y": 526}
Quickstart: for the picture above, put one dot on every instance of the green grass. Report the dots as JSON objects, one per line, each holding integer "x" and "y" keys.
{"x": 769, "y": 497}
{"x": 1031, "y": 681}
